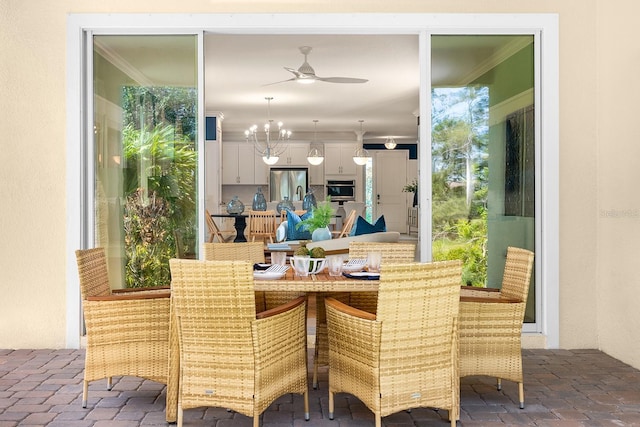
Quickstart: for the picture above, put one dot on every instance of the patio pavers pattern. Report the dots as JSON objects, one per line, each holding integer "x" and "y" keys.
{"x": 562, "y": 388}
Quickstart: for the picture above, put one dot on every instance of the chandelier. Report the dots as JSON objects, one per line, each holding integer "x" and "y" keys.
{"x": 315, "y": 156}
{"x": 390, "y": 143}
{"x": 361, "y": 156}
{"x": 273, "y": 145}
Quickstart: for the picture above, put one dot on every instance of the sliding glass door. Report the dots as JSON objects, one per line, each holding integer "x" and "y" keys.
{"x": 145, "y": 130}
{"x": 483, "y": 154}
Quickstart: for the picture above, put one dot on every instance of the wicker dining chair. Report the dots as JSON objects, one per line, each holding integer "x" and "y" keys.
{"x": 405, "y": 355}
{"x": 231, "y": 357}
{"x": 491, "y": 323}
{"x": 127, "y": 329}
{"x": 391, "y": 253}
{"x": 215, "y": 232}
{"x": 253, "y": 252}
{"x": 262, "y": 224}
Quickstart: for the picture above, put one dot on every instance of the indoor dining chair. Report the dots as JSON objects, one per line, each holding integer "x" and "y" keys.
{"x": 405, "y": 355}
{"x": 214, "y": 230}
{"x": 262, "y": 225}
{"x": 347, "y": 225}
{"x": 491, "y": 323}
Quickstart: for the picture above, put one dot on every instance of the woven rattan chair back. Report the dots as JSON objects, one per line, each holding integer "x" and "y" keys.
{"x": 254, "y": 253}
{"x": 391, "y": 252}
{"x": 517, "y": 274}
{"x": 406, "y": 357}
{"x": 214, "y": 230}
{"x": 92, "y": 273}
{"x": 245, "y": 363}
{"x": 262, "y": 225}
{"x": 241, "y": 251}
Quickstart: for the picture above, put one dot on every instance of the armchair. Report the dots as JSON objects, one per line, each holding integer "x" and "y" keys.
{"x": 229, "y": 356}
{"x": 127, "y": 330}
{"x": 405, "y": 355}
{"x": 491, "y": 323}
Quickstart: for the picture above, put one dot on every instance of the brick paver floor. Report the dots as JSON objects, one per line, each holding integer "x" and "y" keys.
{"x": 562, "y": 388}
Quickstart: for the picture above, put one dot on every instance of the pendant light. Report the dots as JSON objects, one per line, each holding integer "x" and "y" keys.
{"x": 361, "y": 156}
{"x": 390, "y": 143}
{"x": 315, "y": 156}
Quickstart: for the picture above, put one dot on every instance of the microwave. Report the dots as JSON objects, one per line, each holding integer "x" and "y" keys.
{"x": 341, "y": 191}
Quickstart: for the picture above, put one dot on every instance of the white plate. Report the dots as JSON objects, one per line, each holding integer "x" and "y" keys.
{"x": 268, "y": 275}
{"x": 354, "y": 265}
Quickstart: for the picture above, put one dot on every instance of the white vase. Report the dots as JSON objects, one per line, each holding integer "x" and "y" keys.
{"x": 321, "y": 234}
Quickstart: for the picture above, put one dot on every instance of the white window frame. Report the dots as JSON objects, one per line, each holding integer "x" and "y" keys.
{"x": 544, "y": 27}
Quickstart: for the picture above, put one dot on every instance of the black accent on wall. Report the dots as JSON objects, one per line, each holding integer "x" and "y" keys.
{"x": 413, "y": 148}
{"x": 210, "y": 129}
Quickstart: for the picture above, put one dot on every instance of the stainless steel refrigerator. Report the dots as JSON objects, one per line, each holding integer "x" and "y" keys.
{"x": 290, "y": 182}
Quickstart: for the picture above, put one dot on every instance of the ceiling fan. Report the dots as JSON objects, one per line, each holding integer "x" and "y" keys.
{"x": 306, "y": 74}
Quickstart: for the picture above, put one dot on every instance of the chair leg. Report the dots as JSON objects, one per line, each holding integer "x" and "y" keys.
{"x": 180, "y": 416}
{"x": 378, "y": 420}
{"x": 109, "y": 383}
{"x": 499, "y": 384}
{"x": 331, "y": 405}
{"x": 85, "y": 392}
{"x": 307, "y": 415}
{"x": 314, "y": 382}
{"x": 521, "y": 394}
{"x": 256, "y": 420}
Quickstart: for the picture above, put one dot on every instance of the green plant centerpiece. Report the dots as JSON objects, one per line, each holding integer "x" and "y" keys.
{"x": 318, "y": 222}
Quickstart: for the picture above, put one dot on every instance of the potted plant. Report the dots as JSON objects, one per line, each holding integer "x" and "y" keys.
{"x": 412, "y": 188}
{"x": 318, "y": 222}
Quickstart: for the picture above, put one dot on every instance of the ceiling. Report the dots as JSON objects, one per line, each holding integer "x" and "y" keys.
{"x": 239, "y": 70}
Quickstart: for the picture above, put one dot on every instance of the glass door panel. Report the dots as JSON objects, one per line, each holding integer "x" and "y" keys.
{"x": 483, "y": 153}
{"x": 145, "y": 132}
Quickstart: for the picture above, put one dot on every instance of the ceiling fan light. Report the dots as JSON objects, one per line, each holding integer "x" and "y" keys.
{"x": 305, "y": 81}
{"x": 390, "y": 144}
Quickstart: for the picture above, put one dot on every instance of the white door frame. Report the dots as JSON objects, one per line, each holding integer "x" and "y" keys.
{"x": 422, "y": 25}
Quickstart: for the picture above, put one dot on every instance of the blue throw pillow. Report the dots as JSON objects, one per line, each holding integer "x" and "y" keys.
{"x": 293, "y": 232}
{"x": 363, "y": 226}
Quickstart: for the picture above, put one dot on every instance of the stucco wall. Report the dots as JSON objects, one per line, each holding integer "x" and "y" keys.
{"x": 598, "y": 140}
{"x": 617, "y": 91}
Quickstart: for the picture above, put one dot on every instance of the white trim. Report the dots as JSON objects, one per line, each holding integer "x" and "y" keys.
{"x": 414, "y": 23}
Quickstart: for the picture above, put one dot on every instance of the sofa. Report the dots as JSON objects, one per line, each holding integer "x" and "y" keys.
{"x": 339, "y": 246}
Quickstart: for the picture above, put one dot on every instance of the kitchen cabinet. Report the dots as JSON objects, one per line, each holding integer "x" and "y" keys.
{"x": 235, "y": 168}
{"x": 261, "y": 171}
{"x": 338, "y": 159}
{"x": 316, "y": 174}
{"x": 294, "y": 155}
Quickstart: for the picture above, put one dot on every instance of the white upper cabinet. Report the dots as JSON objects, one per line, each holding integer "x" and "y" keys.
{"x": 338, "y": 159}
{"x": 235, "y": 167}
{"x": 294, "y": 155}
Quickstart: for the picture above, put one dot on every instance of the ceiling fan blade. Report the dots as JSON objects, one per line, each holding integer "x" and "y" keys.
{"x": 341, "y": 80}
{"x": 281, "y": 81}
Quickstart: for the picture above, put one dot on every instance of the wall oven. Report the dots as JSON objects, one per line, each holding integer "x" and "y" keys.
{"x": 341, "y": 191}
